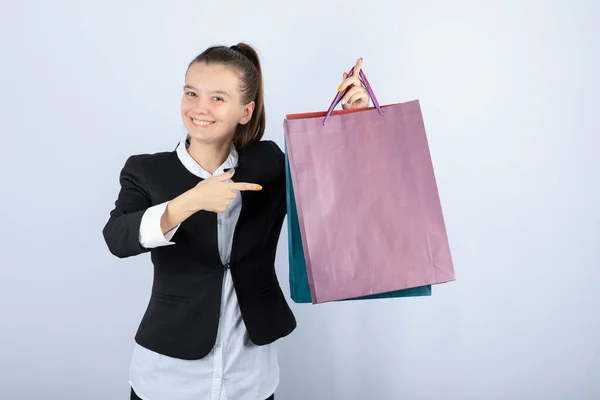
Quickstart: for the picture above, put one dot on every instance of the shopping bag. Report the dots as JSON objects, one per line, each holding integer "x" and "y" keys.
{"x": 368, "y": 208}
{"x": 299, "y": 290}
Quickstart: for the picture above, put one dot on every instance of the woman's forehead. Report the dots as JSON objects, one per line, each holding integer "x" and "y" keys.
{"x": 211, "y": 77}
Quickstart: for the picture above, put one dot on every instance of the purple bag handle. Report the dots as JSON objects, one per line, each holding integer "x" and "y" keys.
{"x": 339, "y": 95}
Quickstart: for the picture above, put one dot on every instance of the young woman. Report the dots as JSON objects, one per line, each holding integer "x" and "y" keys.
{"x": 210, "y": 213}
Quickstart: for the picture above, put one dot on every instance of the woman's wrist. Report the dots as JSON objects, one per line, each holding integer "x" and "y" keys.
{"x": 179, "y": 209}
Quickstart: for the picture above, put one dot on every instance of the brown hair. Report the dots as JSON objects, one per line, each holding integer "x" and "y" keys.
{"x": 243, "y": 59}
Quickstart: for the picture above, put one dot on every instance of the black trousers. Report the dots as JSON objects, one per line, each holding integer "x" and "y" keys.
{"x": 135, "y": 396}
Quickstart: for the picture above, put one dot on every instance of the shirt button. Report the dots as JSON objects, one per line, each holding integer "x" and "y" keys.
{"x": 218, "y": 345}
{"x": 219, "y": 221}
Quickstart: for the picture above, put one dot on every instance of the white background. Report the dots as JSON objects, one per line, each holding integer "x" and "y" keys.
{"x": 510, "y": 97}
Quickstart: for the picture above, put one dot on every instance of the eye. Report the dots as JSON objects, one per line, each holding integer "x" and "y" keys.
{"x": 216, "y": 98}
{"x": 191, "y": 94}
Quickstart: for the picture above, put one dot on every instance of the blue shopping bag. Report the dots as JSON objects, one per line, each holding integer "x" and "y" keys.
{"x": 299, "y": 290}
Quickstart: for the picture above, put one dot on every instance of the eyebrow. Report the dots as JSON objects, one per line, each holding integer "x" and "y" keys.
{"x": 218, "y": 91}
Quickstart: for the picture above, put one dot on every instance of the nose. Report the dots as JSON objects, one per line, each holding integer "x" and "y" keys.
{"x": 201, "y": 109}
{"x": 201, "y": 105}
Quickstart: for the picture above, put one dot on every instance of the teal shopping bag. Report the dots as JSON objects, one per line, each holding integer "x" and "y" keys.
{"x": 299, "y": 290}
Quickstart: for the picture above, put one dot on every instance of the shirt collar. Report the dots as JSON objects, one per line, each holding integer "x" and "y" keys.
{"x": 191, "y": 165}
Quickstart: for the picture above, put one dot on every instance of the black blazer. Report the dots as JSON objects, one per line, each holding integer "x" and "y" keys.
{"x": 183, "y": 312}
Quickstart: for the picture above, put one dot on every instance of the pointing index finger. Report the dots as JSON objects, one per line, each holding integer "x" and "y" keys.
{"x": 245, "y": 186}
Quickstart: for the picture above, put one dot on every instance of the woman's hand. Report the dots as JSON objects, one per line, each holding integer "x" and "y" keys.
{"x": 356, "y": 95}
{"x": 214, "y": 194}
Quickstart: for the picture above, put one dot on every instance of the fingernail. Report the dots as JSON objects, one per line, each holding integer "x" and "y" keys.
{"x": 343, "y": 101}
{"x": 341, "y": 88}
{"x": 258, "y": 187}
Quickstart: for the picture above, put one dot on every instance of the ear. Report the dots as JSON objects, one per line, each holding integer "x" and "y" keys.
{"x": 247, "y": 113}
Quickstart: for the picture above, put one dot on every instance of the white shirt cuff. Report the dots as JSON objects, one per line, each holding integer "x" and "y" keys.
{"x": 151, "y": 235}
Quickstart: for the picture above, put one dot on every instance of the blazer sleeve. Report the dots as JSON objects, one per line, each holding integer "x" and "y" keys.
{"x": 122, "y": 231}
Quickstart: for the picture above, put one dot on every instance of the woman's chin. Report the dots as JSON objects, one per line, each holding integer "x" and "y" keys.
{"x": 207, "y": 138}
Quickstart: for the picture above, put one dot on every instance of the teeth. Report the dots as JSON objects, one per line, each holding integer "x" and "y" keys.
{"x": 201, "y": 123}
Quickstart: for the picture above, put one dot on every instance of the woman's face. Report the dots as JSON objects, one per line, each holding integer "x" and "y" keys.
{"x": 211, "y": 106}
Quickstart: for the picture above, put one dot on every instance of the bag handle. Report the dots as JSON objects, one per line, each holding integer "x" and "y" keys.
{"x": 337, "y": 98}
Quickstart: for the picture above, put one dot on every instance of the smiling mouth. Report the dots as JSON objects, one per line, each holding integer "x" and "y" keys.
{"x": 198, "y": 122}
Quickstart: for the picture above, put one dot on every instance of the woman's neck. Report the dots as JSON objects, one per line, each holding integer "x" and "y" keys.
{"x": 209, "y": 156}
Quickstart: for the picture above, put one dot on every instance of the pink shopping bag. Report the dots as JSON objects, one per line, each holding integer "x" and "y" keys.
{"x": 370, "y": 215}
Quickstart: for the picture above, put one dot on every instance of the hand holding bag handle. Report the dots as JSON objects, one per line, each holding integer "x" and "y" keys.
{"x": 339, "y": 95}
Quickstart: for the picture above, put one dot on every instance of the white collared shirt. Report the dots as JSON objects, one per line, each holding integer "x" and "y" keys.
{"x": 235, "y": 369}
